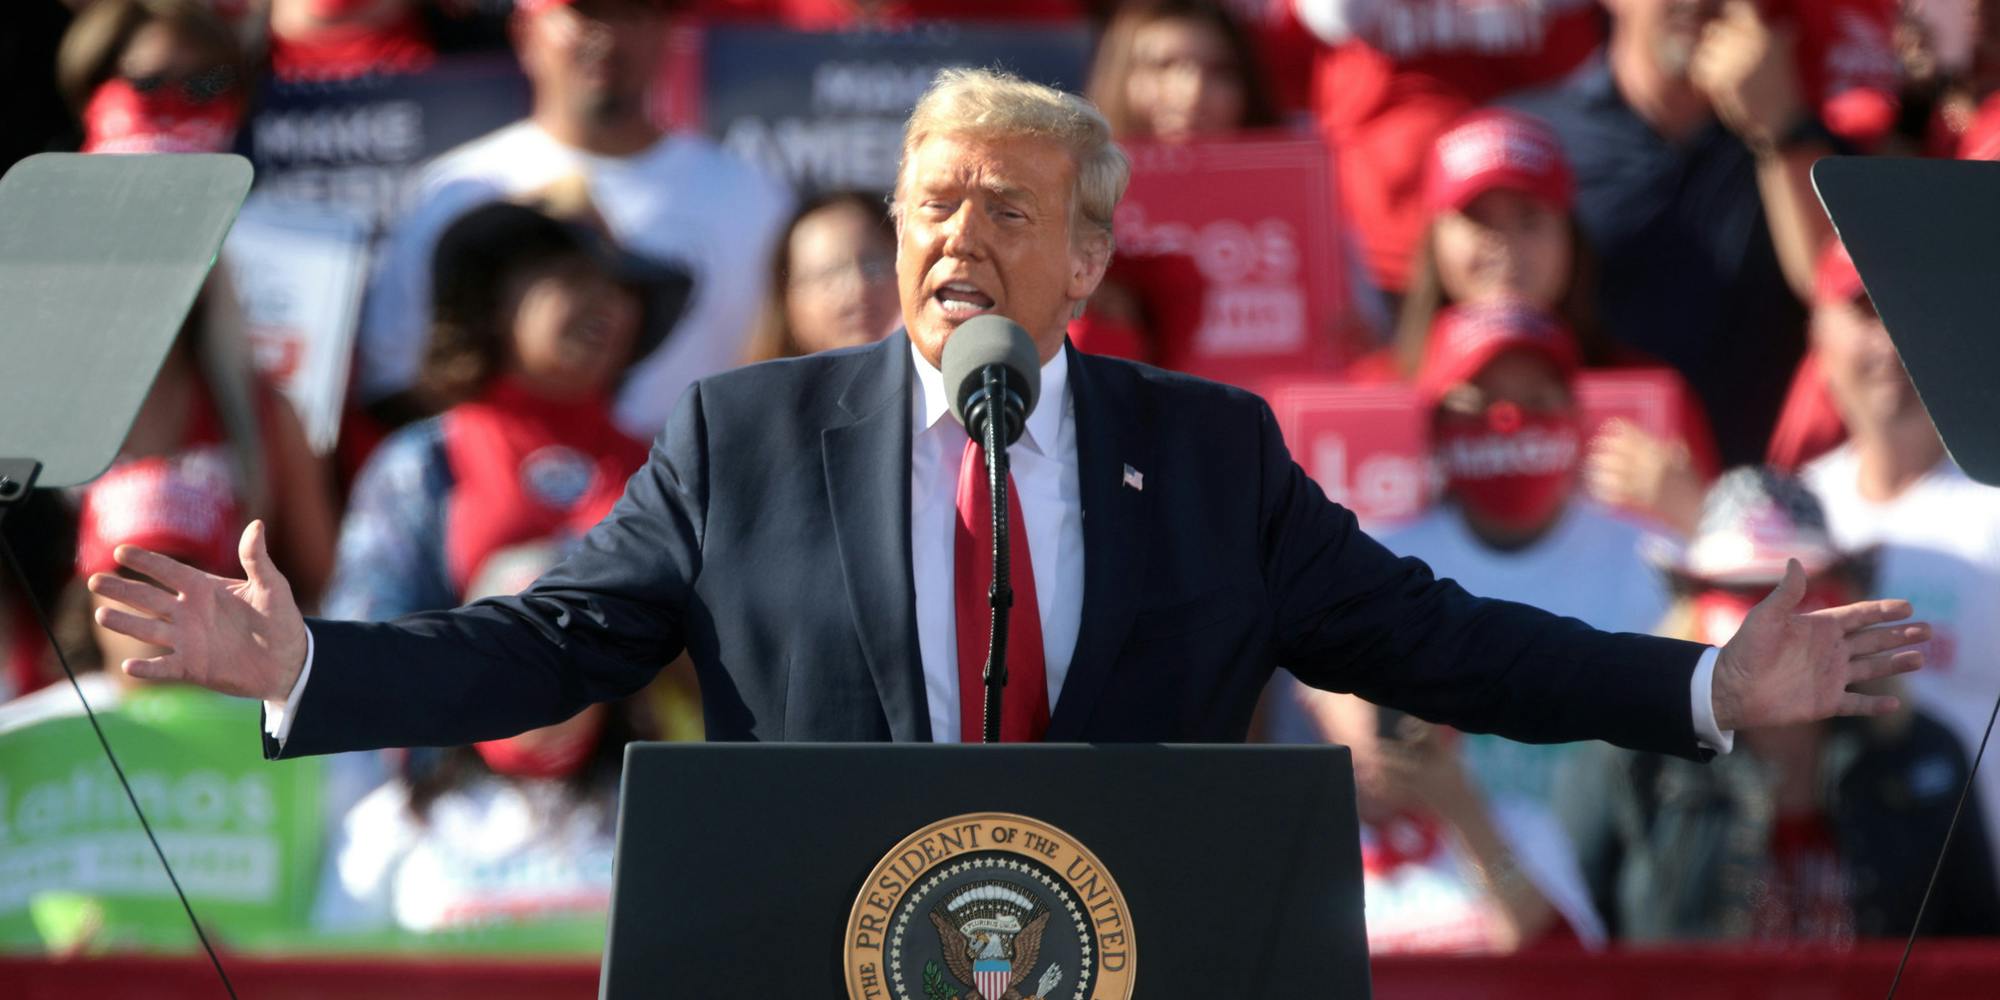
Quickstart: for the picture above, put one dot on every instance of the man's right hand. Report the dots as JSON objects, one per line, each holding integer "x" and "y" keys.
{"x": 240, "y": 637}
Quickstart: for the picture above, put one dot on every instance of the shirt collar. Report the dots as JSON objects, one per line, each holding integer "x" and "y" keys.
{"x": 1043, "y": 424}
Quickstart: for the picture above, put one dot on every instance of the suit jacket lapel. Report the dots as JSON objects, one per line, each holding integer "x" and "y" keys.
{"x": 1116, "y": 520}
{"x": 868, "y": 484}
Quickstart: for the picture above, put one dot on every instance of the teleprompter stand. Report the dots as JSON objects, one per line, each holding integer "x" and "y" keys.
{"x": 830, "y": 871}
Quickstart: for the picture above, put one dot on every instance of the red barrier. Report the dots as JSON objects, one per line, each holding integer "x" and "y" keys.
{"x": 1941, "y": 970}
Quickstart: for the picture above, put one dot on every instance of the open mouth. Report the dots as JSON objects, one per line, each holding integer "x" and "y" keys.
{"x": 962, "y": 300}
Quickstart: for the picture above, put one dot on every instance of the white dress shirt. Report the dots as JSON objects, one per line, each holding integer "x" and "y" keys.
{"x": 1044, "y": 467}
{"x": 1045, "y": 479}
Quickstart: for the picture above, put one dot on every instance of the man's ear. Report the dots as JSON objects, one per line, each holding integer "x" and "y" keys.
{"x": 1088, "y": 260}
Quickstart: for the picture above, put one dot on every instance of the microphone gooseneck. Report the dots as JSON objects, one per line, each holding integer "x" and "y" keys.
{"x": 994, "y": 375}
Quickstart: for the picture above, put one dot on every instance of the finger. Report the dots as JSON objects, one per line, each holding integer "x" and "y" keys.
{"x": 253, "y": 550}
{"x": 155, "y": 668}
{"x": 174, "y": 574}
{"x": 1861, "y": 614}
{"x": 1866, "y": 704}
{"x": 132, "y": 593}
{"x": 1874, "y": 668}
{"x": 147, "y": 630}
{"x": 1883, "y": 638}
{"x": 1791, "y": 589}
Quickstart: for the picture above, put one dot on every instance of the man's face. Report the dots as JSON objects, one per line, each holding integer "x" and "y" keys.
{"x": 1863, "y": 372}
{"x": 596, "y": 57}
{"x": 1668, "y": 29}
{"x": 984, "y": 227}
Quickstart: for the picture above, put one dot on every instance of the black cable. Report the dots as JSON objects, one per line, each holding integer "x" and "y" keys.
{"x": 42, "y": 618}
{"x": 1963, "y": 794}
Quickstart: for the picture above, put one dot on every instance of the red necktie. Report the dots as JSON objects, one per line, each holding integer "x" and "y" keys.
{"x": 1025, "y": 704}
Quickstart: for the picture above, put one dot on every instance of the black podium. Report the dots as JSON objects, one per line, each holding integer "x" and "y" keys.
{"x": 983, "y": 873}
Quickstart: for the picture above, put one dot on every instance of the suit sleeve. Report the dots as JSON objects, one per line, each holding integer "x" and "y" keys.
{"x": 1352, "y": 616}
{"x": 596, "y": 627}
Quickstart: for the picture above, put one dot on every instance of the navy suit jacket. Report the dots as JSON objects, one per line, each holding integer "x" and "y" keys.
{"x": 768, "y": 536}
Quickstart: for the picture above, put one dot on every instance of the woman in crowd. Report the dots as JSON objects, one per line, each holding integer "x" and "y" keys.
{"x": 833, "y": 279}
{"x": 1819, "y": 833}
{"x": 1167, "y": 71}
{"x": 1498, "y": 190}
{"x": 153, "y": 76}
{"x": 530, "y": 336}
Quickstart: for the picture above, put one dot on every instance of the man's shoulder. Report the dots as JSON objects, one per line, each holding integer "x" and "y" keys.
{"x": 501, "y": 153}
{"x": 1159, "y": 385}
{"x": 725, "y": 179}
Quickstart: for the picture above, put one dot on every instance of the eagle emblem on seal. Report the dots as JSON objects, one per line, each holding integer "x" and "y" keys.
{"x": 991, "y": 937}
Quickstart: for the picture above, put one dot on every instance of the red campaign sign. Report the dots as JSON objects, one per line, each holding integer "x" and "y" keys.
{"x": 1257, "y": 218}
{"x": 1368, "y": 445}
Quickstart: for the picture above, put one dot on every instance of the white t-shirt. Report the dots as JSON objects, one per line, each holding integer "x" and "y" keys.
{"x": 1589, "y": 566}
{"x": 1940, "y": 550}
{"x": 493, "y": 852}
{"x": 683, "y": 201}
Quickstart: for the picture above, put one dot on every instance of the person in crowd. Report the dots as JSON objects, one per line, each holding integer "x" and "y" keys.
{"x": 1174, "y": 70}
{"x": 248, "y": 839}
{"x": 531, "y": 335}
{"x": 1499, "y": 194}
{"x": 1392, "y": 76}
{"x": 1499, "y": 383}
{"x": 505, "y": 844}
{"x": 673, "y": 198}
{"x": 847, "y": 15}
{"x": 1818, "y": 833}
{"x": 833, "y": 279}
{"x": 153, "y": 76}
{"x": 1445, "y": 867}
{"x": 1691, "y": 139}
{"x": 1167, "y": 71}
{"x": 40, "y": 532}
{"x": 325, "y": 40}
{"x": 1892, "y": 485}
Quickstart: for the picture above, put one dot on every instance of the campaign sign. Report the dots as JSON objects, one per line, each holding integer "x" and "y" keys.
{"x": 299, "y": 271}
{"x": 357, "y": 143}
{"x": 1256, "y": 216}
{"x": 825, "y": 110}
{"x": 1367, "y": 445}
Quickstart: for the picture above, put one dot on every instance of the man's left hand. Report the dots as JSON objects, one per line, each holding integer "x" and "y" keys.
{"x": 1785, "y": 667}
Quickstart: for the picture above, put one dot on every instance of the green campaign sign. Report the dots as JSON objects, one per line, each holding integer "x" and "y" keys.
{"x": 245, "y": 836}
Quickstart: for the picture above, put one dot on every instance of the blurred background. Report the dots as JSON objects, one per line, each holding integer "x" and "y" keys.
{"x": 1538, "y": 288}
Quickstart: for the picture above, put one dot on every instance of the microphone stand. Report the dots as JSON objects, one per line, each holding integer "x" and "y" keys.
{"x": 1000, "y": 596}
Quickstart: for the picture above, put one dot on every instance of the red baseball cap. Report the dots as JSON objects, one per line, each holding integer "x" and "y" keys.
{"x": 182, "y": 506}
{"x": 1465, "y": 339}
{"x": 1836, "y": 279}
{"x": 1496, "y": 148}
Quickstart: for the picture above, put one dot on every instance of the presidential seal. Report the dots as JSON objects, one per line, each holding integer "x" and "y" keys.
{"x": 989, "y": 906}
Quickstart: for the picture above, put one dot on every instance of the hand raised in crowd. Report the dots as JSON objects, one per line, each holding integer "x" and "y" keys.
{"x": 1744, "y": 65}
{"x": 1784, "y": 667}
{"x": 1629, "y": 468}
{"x": 239, "y": 637}
{"x": 1422, "y": 767}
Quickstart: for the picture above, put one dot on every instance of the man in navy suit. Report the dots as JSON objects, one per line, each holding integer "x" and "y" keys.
{"x": 808, "y": 531}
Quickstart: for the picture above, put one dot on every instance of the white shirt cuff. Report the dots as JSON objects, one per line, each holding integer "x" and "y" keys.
{"x": 278, "y": 715}
{"x": 1702, "y": 698}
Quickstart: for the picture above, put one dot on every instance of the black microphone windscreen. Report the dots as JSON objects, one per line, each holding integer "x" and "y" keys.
{"x": 991, "y": 340}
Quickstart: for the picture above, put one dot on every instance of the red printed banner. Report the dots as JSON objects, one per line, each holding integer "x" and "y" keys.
{"x": 1368, "y": 445}
{"x": 1256, "y": 217}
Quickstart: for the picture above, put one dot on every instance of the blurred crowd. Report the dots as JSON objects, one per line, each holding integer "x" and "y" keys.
{"x": 1525, "y": 195}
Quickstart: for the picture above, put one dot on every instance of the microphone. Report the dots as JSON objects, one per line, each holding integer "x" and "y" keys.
{"x": 996, "y": 349}
{"x": 994, "y": 376}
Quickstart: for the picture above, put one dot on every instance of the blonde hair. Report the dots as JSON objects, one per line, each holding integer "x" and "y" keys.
{"x": 993, "y": 103}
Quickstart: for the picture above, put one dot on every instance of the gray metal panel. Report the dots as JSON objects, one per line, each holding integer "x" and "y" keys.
{"x": 1925, "y": 235}
{"x": 100, "y": 259}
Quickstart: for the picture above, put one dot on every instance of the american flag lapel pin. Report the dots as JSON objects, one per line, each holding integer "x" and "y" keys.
{"x": 1134, "y": 479}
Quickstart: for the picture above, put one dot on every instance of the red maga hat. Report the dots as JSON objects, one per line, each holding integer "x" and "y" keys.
{"x": 1497, "y": 149}
{"x": 1465, "y": 339}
